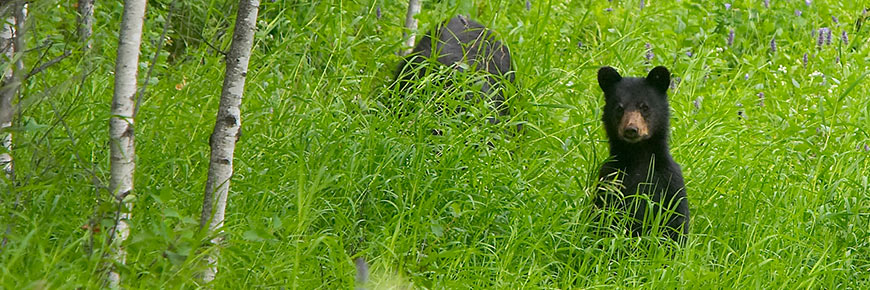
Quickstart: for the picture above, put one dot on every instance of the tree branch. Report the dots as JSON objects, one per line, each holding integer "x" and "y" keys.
{"x": 218, "y": 50}
{"x": 45, "y": 65}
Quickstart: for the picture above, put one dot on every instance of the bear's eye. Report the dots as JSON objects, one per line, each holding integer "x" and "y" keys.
{"x": 619, "y": 109}
{"x": 644, "y": 108}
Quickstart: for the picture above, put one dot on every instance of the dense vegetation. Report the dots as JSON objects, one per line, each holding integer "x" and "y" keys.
{"x": 769, "y": 121}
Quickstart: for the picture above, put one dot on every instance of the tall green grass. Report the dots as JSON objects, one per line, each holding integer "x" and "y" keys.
{"x": 326, "y": 172}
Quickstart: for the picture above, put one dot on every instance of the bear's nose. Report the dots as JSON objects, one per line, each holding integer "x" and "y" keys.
{"x": 630, "y": 132}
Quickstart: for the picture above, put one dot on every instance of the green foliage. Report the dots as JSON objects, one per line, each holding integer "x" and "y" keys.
{"x": 326, "y": 172}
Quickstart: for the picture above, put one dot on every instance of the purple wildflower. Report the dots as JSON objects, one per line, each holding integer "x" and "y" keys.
{"x": 773, "y": 44}
{"x": 746, "y": 76}
{"x": 642, "y": 4}
{"x": 808, "y": 2}
{"x": 689, "y": 53}
{"x": 834, "y": 18}
{"x": 649, "y": 52}
{"x": 378, "y": 12}
{"x": 580, "y": 44}
{"x": 828, "y": 36}
{"x": 805, "y": 60}
{"x": 528, "y": 5}
{"x": 766, "y": 3}
{"x": 845, "y": 38}
{"x": 822, "y": 36}
{"x": 608, "y": 9}
{"x": 727, "y": 6}
{"x": 697, "y": 103}
{"x": 797, "y": 13}
{"x": 866, "y": 147}
{"x": 761, "y": 99}
{"x": 731, "y": 37}
{"x": 837, "y": 59}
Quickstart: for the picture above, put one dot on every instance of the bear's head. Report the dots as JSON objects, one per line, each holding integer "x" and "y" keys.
{"x": 635, "y": 109}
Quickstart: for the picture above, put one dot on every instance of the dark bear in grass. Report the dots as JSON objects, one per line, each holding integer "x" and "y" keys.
{"x": 462, "y": 44}
{"x": 636, "y": 118}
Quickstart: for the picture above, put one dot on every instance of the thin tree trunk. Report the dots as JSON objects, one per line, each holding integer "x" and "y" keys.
{"x": 227, "y": 129}
{"x": 121, "y": 129}
{"x": 7, "y": 93}
{"x": 410, "y": 26}
{"x": 86, "y": 22}
{"x": 85, "y": 29}
{"x": 12, "y": 45}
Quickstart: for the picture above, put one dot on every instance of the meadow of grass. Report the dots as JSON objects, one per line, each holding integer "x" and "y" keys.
{"x": 774, "y": 146}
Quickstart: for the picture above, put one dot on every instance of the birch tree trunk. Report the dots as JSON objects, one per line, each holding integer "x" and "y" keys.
{"x": 12, "y": 46}
{"x": 410, "y": 26}
{"x": 7, "y": 91}
{"x": 12, "y": 43}
{"x": 84, "y": 30}
{"x": 121, "y": 129}
{"x": 227, "y": 129}
{"x": 86, "y": 22}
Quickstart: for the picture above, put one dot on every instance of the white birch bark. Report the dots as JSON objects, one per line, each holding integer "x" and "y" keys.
{"x": 410, "y": 26}
{"x": 12, "y": 44}
{"x": 227, "y": 129}
{"x": 6, "y": 96}
{"x": 121, "y": 128}
{"x": 86, "y": 21}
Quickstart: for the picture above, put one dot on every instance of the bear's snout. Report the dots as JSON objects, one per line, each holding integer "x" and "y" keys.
{"x": 631, "y": 131}
{"x": 633, "y": 128}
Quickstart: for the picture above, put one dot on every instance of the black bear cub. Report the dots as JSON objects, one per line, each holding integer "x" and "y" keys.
{"x": 462, "y": 44}
{"x": 636, "y": 118}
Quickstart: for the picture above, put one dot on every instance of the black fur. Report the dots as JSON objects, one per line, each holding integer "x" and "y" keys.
{"x": 461, "y": 42}
{"x": 642, "y": 167}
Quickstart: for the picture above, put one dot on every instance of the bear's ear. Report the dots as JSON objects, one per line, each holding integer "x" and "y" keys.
{"x": 660, "y": 78}
{"x": 607, "y": 77}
